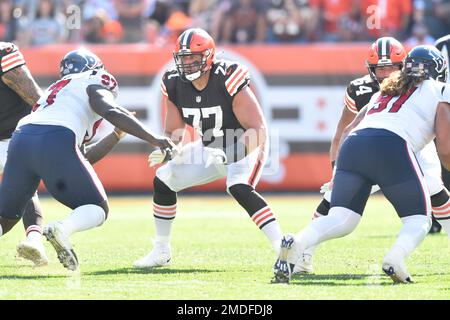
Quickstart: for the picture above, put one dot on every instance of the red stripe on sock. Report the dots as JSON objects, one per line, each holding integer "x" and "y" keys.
{"x": 256, "y": 216}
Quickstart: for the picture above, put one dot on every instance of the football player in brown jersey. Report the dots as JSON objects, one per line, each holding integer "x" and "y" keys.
{"x": 215, "y": 98}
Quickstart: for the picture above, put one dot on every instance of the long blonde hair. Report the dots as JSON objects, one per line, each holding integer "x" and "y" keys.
{"x": 399, "y": 83}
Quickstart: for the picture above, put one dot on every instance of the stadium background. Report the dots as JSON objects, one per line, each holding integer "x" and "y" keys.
{"x": 300, "y": 64}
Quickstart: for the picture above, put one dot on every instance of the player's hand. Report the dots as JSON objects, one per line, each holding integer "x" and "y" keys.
{"x": 215, "y": 156}
{"x": 326, "y": 187}
{"x": 162, "y": 142}
{"x": 159, "y": 156}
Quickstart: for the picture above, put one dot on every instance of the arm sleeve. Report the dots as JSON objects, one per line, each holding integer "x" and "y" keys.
{"x": 11, "y": 58}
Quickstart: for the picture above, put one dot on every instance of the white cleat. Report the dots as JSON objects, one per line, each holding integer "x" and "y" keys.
{"x": 304, "y": 265}
{"x": 396, "y": 270}
{"x": 160, "y": 256}
{"x": 61, "y": 242}
{"x": 33, "y": 251}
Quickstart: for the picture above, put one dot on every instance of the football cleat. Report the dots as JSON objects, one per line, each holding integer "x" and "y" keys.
{"x": 435, "y": 226}
{"x": 160, "y": 256}
{"x": 304, "y": 265}
{"x": 61, "y": 242}
{"x": 282, "y": 269}
{"x": 396, "y": 270}
{"x": 32, "y": 251}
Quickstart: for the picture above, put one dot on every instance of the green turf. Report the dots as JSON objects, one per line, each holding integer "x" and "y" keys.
{"x": 218, "y": 253}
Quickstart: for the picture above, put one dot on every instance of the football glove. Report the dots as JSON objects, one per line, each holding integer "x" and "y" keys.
{"x": 326, "y": 187}
{"x": 329, "y": 186}
{"x": 215, "y": 156}
{"x": 159, "y": 156}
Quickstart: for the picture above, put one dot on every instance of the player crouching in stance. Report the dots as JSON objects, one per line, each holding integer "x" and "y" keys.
{"x": 213, "y": 97}
{"x": 378, "y": 148}
{"x": 386, "y": 55}
{"x": 46, "y": 146}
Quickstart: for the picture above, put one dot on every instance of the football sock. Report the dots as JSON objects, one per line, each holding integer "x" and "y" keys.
{"x": 34, "y": 233}
{"x": 1, "y": 230}
{"x": 164, "y": 216}
{"x": 414, "y": 230}
{"x": 323, "y": 207}
{"x": 338, "y": 223}
{"x": 441, "y": 209}
{"x": 83, "y": 218}
{"x": 259, "y": 211}
{"x": 164, "y": 210}
{"x": 32, "y": 215}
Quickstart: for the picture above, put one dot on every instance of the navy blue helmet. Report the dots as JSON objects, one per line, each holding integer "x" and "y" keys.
{"x": 78, "y": 61}
{"x": 426, "y": 62}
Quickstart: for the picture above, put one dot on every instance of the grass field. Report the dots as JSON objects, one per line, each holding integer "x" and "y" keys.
{"x": 218, "y": 253}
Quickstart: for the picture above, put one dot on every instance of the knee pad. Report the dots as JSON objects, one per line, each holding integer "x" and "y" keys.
{"x": 162, "y": 194}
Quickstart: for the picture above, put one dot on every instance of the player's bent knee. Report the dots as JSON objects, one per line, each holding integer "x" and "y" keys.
{"x": 163, "y": 195}
{"x": 6, "y": 224}
{"x": 240, "y": 191}
{"x": 105, "y": 206}
{"x": 346, "y": 220}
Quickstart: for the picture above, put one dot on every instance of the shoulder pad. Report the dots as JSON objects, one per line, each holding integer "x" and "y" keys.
{"x": 359, "y": 92}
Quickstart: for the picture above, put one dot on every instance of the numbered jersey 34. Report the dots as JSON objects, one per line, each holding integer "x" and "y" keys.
{"x": 66, "y": 103}
{"x": 410, "y": 115}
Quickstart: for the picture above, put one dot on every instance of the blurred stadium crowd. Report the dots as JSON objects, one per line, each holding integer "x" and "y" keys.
{"x": 41, "y": 22}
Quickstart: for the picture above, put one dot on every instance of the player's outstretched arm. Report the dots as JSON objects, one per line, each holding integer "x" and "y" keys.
{"x": 174, "y": 126}
{"x": 442, "y": 130}
{"x": 351, "y": 126}
{"x": 103, "y": 103}
{"x": 249, "y": 114}
{"x": 346, "y": 118}
{"x": 97, "y": 151}
{"x": 22, "y": 82}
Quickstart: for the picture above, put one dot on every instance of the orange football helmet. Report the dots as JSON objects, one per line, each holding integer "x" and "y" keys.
{"x": 385, "y": 51}
{"x": 194, "y": 53}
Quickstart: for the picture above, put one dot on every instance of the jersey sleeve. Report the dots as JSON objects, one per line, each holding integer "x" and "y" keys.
{"x": 168, "y": 85}
{"x": 11, "y": 57}
{"x": 350, "y": 99}
{"x": 237, "y": 78}
{"x": 104, "y": 79}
